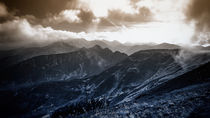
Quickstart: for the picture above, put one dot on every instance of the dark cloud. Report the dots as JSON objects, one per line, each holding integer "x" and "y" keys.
{"x": 86, "y": 16}
{"x": 118, "y": 18}
{"x": 143, "y": 15}
{"x": 38, "y": 8}
{"x": 60, "y": 22}
{"x": 3, "y": 9}
{"x": 4, "y": 14}
{"x": 199, "y": 11}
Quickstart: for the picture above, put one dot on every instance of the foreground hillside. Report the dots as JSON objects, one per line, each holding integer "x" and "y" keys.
{"x": 150, "y": 83}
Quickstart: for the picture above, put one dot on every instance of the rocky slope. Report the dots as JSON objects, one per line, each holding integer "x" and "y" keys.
{"x": 150, "y": 83}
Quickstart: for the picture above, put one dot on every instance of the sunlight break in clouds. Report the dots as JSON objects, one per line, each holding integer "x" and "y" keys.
{"x": 163, "y": 10}
{"x": 168, "y": 24}
{"x": 100, "y": 8}
{"x": 156, "y": 32}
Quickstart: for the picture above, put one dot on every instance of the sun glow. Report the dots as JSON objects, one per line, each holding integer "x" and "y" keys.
{"x": 157, "y": 32}
{"x": 153, "y": 32}
{"x": 100, "y": 8}
{"x": 162, "y": 10}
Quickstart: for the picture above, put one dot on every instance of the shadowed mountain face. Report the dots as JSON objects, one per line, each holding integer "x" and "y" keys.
{"x": 11, "y": 57}
{"x": 141, "y": 71}
{"x": 197, "y": 76}
{"x": 78, "y": 64}
{"x": 148, "y": 83}
{"x": 128, "y": 75}
{"x": 187, "y": 95}
{"x": 137, "y": 48}
{"x": 177, "y": 96}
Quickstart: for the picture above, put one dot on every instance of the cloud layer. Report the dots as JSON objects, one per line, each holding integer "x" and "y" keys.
{"x": 20, "y": 32}
{"x": 79, "y": 15}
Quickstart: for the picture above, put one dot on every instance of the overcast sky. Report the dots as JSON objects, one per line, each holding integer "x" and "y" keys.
{"x": 135, "y": 21}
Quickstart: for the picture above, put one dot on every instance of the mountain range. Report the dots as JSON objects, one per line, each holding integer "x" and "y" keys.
{"x": 104, "y": 79}
{"x": 78, "y": 64}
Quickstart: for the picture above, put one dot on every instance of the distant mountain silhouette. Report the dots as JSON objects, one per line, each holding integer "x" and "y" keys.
{"x": 137, "y": 48}
{"x": 117, "y": 46}
{"x": 69, "y": 45}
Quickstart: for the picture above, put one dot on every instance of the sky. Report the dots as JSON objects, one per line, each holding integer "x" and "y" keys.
{"x": 135, "y": 21}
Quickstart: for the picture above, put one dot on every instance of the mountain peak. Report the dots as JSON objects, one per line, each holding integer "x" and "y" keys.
{"x": 96, "y": 47}
{"x": 167, "y": 46}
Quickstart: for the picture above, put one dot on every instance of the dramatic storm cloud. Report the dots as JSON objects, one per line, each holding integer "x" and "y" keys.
{"x": 38, "y": 8}
{"x": 4, "y": 14}
{"x": 199, "y": 12}
{"x": 90, "y": 11}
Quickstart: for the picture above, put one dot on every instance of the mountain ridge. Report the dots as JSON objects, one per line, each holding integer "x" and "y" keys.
{"x": 81, "y": 63}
